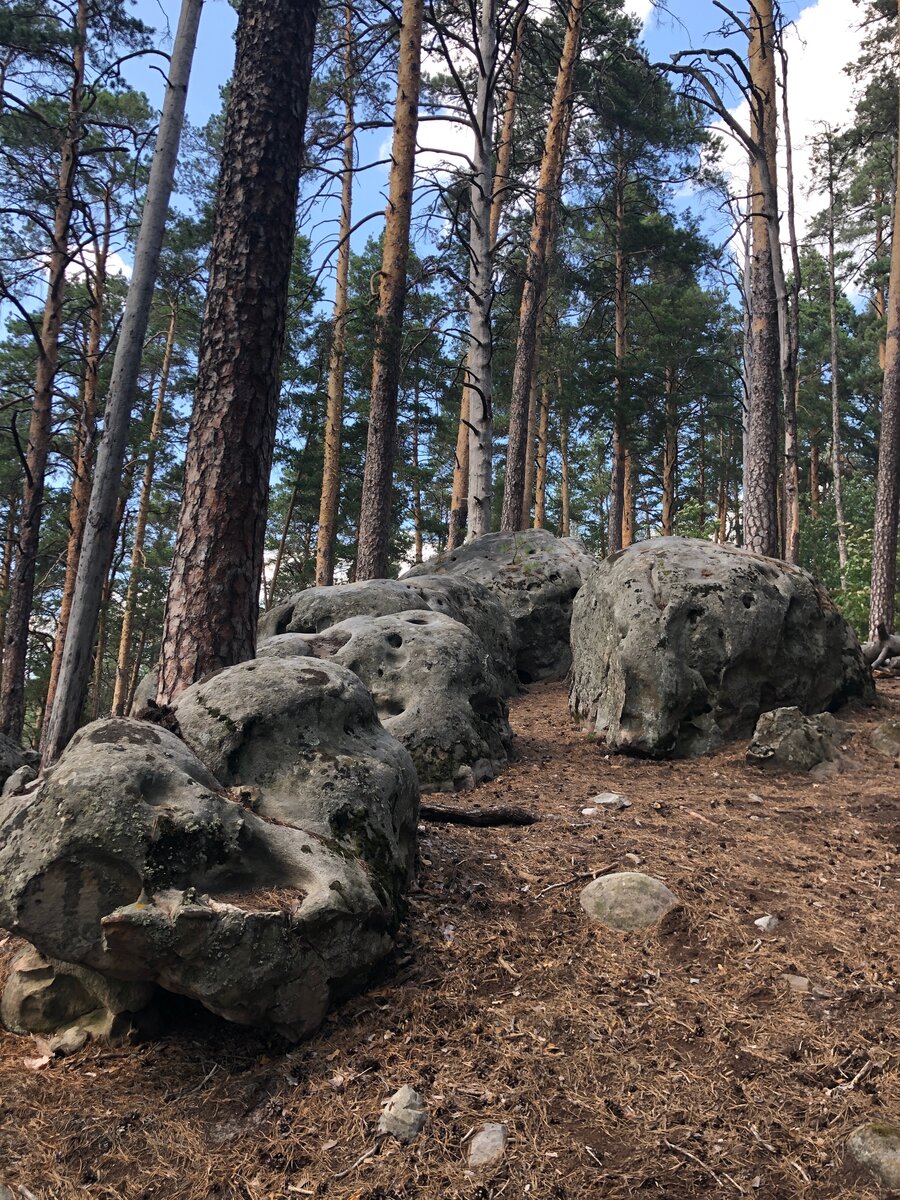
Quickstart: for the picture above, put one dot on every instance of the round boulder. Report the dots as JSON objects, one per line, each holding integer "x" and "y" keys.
{"x": 877, "y": 1148}
{"x": 678, "y": 644}
{"x": 536, "y": 577}
{"x": 627, "y": 900}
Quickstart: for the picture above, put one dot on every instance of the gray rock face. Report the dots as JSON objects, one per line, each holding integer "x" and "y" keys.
{"x": 13, "y": 756}
{"x": 877, "y": 1148}
{"x": 267, "y": 901}
{"x": 18, "y": 780}
{"x": 488, "y": 1146}
{"x": 786, "y": 740}
{"x": 44, "y": 995}
{"x": 434, "y": 687}
{"x": 536, "y": 577}
{"x": 627, "y": 900}
{"x": 317, "y": 609}
{"x": 679, "y": 644}
{"x": 885, "y": 738}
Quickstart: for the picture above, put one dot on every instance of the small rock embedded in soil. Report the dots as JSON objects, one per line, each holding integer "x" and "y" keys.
{"x": 403, "y": 1116}
{"x": 766, "y": 923}
{"x": 797, "y": 983}
{"x": 785, "y": 739}
{"x": 877, "y": 1148}
{"x": 627, "y": 900}
{"x": 614, "y": 800}
{"x": 885, "y": 738}
{"x": 488, "y": 1146}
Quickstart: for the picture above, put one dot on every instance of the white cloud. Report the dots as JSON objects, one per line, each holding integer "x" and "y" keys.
{"x": 639, "y": 9}
{"x": 820, "y": 44}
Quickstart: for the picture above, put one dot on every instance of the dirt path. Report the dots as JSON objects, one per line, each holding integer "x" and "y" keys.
{"x": 676, "y": 1064}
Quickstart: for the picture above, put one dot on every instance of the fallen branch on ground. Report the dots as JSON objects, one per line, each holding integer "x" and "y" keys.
{"x": 501, "y": 815}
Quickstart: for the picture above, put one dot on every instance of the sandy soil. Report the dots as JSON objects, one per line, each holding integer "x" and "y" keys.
{"x": 674, "y": 1064}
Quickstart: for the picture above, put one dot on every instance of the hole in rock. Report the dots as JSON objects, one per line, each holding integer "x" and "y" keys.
{"x": 747, "y": 600}
{"x": 391, "y": 708}
{"x": 394, "y": 639}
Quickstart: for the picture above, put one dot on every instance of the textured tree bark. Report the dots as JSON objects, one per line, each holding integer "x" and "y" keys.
{"x": 121, "y": 690}
{"x": 789, "y": 320}
{"x": 21, "y": 592}
{"x": 670, "y": 457}
{"x": 761, "y": 491}
{"x": 540, "y": 489}
{"x": 375, "y": 510}
{"x": 628, "y": 504}
{"x": 213, "y": 597}
{"x": 884, "y": 547}
{"x": 546, "y": 201}
{"x": 417, "y": 487}
{"x": 616, "y": 508}
{"x": 334, "y": 410}
{"x": 531, "y": 440}
{"x": 722, "y": 498}
{"x": 459, "y": 498}
{"x": 814, "y": 475}
{"x": 479, "y": 382}
{"x": 878, "y": 297}
{"x": 82, "y": 457}
{"x": 836, "y": 468}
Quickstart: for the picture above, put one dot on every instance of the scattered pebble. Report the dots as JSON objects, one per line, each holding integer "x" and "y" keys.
{"x": 797, "y": 983}
{"x": 403, "y": 1116}
{"x": 633, "y": 858}
{"x": 589, "y": 812}
{"x": 766, "y": 923}
{"x": 610, "y": 800}
{"x": 488, "y": 1146}
{"x": 877, "y": 1148}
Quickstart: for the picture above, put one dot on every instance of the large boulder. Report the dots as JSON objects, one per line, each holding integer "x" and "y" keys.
{"x": 434, "y": 686}
{"x": 679, "y": 644}
{"x": 260, "y": 871}
{"x": 536, "y": 577}
{"x": 317, "y": 609}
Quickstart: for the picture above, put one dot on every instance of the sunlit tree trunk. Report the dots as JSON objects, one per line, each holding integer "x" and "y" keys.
{"x": 789, "y": 319}
{"x": 213, "y": 598}
{"x": 121, "y": 690}
{"x": 836, "y": 466}
{"x": 334, "y": 410}
{"x": 628, "y": 501}
{"x": 884, "y": 547}
{"x": 21, "y": 591}
{"x": 761, "y": 486}
{"x": 9, "y": 542}
{"x": 378, "y": 477}
{"x": 546, "y": 202}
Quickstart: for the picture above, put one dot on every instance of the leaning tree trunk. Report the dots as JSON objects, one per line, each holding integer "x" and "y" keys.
{"x": 83, "y": 459}
{"x": 21, "y": 592}
{"x": 213, "y": 598}
{"x": 334, "y": 410}
{"x": 121, "y": 688}
{"x": 761, "y": 492}
{"x": 884, "y": 547}
{"x": 100, "y": 529}
{"x": 381, "y": 443}
{"x": 546, "y": 201}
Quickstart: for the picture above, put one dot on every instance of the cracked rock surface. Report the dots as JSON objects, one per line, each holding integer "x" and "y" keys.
{"x": 258, "y": 866}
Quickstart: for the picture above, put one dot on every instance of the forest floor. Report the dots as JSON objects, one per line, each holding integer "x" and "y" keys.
{"x": 676, "y": 1064}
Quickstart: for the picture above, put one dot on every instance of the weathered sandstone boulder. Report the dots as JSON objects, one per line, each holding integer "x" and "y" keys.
{"x": 434, "y": 686}
{"x": 317, "y": 609}
{"x": 536, "y": 577}
{"x": 260, "y": 871}
{"x": 678, "y": 644}
{"x": 13, "y": 757}
{"x": 786, "y": 740}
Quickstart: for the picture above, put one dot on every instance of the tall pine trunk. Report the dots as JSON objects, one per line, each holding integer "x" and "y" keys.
{"x": 884, "y": 547}
{"x": 540, "y": 478}
{"x": 334, "y": 411}
{"x": 546, "y": 202}
{"x": 670, "y": 456}
{"x": 479, "y": 362}
{"x": 21, "y": 592}
{"x": 121, "y": 689}
{"x": 564, "y": 496}
{"x": 836, "y": 469}
{"x": 213, "y": 597}
{"x": 100, "y": 527}
{"x": 761, "y": 524}
{"x": 789, "y": 324}
{"x": 83, "y": 458}
{"x": 628, "y": 501}
{"x": 381, "y": 443}
{"x": 9, "y": 543}
{"x": 620, "y": 300}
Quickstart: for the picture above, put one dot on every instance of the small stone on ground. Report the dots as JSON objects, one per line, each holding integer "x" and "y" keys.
{"x": 403, "y": 1116}
{"x": 488, "y": 1145}
{"x": 627, "y": 900}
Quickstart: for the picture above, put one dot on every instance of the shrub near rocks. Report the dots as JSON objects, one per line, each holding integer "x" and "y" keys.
{"x": 679, "y": 644}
